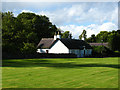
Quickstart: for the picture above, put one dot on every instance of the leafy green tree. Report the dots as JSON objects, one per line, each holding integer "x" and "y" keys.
{"x": 103, "y": 35}
{"x": 114, "y": 41}
{"x": 112, "y": 37}
{"x": 89, "y": 40}
{"x": 28, "y": 48}
{"x": 10, "y": 29}
{"x": 38, "y": 24}
{"x": 101, "y": 51}
{"x": 80, "y": 37}
{"x": 31, "y": 37}
{"x": 93, "y": 38}
{"x": 83, "y": 35}
{"x": 24, "y": 31}
{"x": 66, "y": 34}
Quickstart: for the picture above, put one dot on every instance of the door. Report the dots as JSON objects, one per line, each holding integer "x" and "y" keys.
{"x": 46, "y": 51}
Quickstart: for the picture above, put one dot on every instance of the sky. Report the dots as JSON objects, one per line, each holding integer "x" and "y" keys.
{"x": 72, "y": 16}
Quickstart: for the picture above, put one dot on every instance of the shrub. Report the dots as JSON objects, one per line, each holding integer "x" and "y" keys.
{"x": 101, "y": 51}
{"x": 28, "y": 48}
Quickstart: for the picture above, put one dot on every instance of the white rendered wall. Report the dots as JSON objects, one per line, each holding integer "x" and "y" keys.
{"x": 59, "y": 47}
{"x": 42, "y": 50}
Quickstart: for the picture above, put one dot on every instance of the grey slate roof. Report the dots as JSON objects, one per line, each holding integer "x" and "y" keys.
{"x": 45, "y": 43}
{"x": 69, "y": 43}
{"x": 99, "y": 44}
{"x": 75, "y": 44}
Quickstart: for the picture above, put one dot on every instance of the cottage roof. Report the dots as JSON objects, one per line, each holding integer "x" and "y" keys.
{"x": 75, "y": 44}
{"x": 69, "y": 43}
{"x": 45, "y": 43}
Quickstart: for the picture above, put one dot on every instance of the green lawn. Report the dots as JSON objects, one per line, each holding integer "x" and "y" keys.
{"x": 60, "y": 73}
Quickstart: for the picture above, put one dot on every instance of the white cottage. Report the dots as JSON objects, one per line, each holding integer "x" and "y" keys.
{"x": 60, "y": 45}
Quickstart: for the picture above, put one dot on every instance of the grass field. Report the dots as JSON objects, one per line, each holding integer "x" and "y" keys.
{"x": 60, "y": 73}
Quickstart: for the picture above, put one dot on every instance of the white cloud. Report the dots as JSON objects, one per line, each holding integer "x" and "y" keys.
{"x": 27, "y": 11}
{"x": 93, "y": 17}
{"x": 91, "y": 29}
{"x": 108, "y": 26}
{"x": 83, "y": 13}
{"x": 77, "y": 13}
{"x": 94, "y": 14}
{"x": 60, "y": 1}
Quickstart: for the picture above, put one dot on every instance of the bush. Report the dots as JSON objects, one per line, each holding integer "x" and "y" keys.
{"x": 117, "y": 53}
{"x": 28, "y": 48}
{"x": 101, "y": 51}
{"x": 11, "y": 48}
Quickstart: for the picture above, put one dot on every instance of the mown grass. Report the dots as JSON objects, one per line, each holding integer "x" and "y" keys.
{"x": 60, "y": 73}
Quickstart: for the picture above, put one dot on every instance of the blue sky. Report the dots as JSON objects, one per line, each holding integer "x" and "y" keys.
{"x": 72, "y": 16}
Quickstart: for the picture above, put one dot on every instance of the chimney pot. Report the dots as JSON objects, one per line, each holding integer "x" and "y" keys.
{"x": 55, "y": 36}
{"x": 58, "y": 35}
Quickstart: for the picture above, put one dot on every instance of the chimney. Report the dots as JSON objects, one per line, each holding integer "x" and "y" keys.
{"x": 58, "y": 35}
{"x": 83, "y": 39}
{"x": 55, "y": 36}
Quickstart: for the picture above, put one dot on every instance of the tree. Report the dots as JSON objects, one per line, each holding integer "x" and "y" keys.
{"x": 112, "y": 37}
{"x": 103, "y": 35}
{"x": 83, "y": 35}
{"x": 24, "y": 31}
{"x": 11, "y": 27}
{"x": 114, "y": 41}
{"x": 66, "y": 34}
{"x": 101, "y": 51}
{"x": 28, "y": 48}
{"x": 91, "y": 39}
{"x": 38, "y": 24}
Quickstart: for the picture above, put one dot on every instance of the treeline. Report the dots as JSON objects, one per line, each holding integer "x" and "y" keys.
{"x": 112, "y": 37}
{"x": 21, "y": 34}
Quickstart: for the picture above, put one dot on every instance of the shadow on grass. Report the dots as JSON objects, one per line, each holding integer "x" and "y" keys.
{"x": 50, "y": 63}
